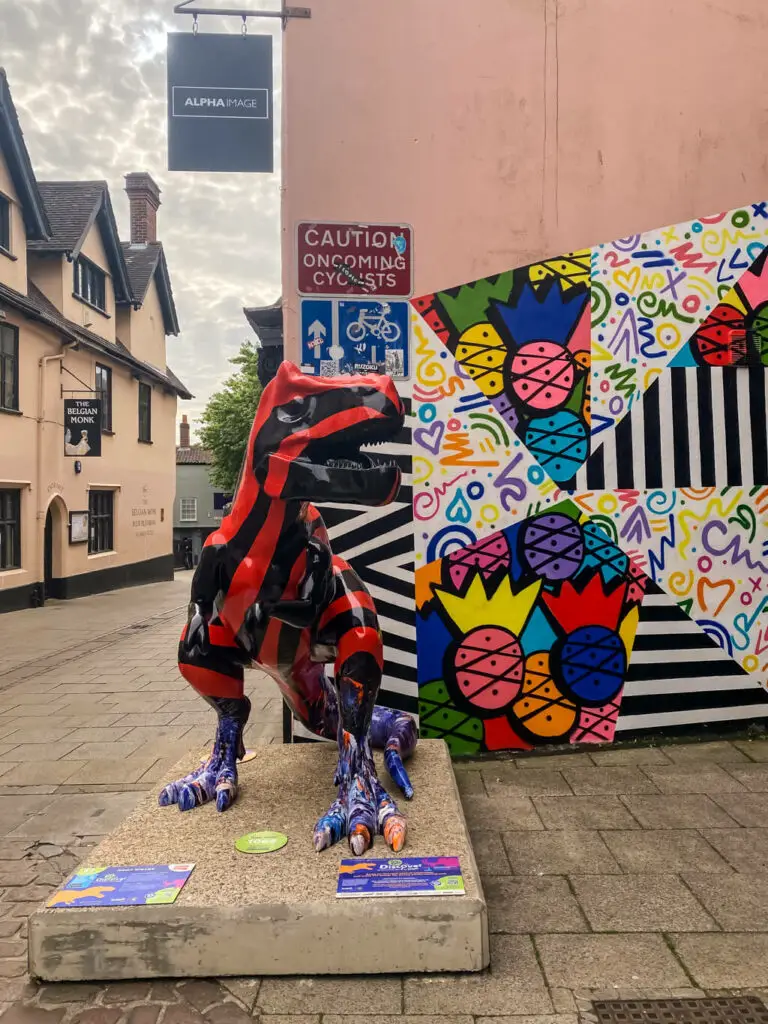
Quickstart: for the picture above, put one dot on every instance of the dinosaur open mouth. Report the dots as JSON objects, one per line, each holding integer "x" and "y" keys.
{"x": 345, "y": 454}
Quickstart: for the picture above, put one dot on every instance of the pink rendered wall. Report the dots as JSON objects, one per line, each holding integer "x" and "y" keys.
{"x": 508, "y": 130}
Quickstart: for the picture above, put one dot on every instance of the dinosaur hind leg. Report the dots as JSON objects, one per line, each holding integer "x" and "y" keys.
{"x": 362, "y": 808}
{"x": 219, "y": 677}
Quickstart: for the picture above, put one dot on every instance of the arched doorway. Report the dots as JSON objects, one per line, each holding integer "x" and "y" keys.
{"x": 48, "y": 555}
{"x": 53, "y": 539}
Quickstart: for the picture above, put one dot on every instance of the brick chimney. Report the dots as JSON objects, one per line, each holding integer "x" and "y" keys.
{"x": 184, "y": 433}
{"x": 144, "y": 197}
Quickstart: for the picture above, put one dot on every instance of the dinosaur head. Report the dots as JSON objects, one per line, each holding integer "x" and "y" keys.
{"x": 306, "y": 438}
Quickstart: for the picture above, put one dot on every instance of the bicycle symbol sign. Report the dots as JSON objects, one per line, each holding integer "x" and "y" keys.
{"x": 374, "y": 332}
{"x": 355, "y": 336}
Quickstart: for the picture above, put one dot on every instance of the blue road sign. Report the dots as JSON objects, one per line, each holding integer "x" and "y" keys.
{"x": 317, "y": 337}
{"x": 373, "y": 335}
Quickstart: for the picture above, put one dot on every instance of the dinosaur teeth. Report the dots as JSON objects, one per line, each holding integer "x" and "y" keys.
{"x": 347, "y": 463}
{"x": 343, "y": 464}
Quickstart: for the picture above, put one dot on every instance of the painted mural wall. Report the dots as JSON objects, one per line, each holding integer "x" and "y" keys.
{"x": 590, "y": 491}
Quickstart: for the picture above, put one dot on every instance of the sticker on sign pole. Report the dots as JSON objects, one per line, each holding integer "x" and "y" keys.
{"x": 261, "y": 842}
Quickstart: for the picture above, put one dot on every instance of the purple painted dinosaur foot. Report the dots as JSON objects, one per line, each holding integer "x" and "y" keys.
{"x": 363, "y": 807}
{"x": 216, "y": 778}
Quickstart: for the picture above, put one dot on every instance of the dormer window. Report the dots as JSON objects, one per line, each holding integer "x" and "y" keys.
{"x": 90, "y": 283}
{"x": 5, "y": 223}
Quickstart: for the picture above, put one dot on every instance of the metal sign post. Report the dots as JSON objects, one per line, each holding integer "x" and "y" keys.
{"x": 284, "y": 13}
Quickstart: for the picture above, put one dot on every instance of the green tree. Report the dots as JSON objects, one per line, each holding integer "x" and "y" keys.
{"x": 226, "y": 421}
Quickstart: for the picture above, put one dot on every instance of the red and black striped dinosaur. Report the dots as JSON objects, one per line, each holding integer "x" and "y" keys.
{"x": 269, "y": 590}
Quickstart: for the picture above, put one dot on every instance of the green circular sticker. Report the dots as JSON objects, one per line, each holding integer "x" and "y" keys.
{"x": 261, "y": 842}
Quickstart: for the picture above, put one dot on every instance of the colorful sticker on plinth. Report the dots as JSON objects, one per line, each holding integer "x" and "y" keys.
{"x": 401, "y": 876}
{"x": 261, "y": 842}
{"x": 122, "y": 886}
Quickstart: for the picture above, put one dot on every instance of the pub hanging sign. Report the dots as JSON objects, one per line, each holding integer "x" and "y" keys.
{"x": 82, "y": 427}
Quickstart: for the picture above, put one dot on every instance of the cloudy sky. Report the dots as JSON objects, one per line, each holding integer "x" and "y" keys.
{"x": 88, "y": 80}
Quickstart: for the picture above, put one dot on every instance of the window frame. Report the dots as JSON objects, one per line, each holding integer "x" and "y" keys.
{"x": 90, "y": 284}
{"x": 101, "y": 521}
{"x": 106, "y": 397}
{"x": 14, "y": 360}
{"x": 10, "y": 525}
{"x": 5, "y": 224}
{"x": 182, "y": 517}
{"x": 145, "y": 389}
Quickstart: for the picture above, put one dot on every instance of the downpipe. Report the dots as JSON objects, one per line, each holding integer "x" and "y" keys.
{"x": 38, "y": 596}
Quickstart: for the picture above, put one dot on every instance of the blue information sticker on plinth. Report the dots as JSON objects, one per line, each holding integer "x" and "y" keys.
{"x": 401, "y": 876}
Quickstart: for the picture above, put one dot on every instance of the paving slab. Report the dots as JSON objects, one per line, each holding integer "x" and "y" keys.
{"x": 489, "y": 854}
{"x": 678, "y": 811}
{"x": 756, "y": 750}
{"x": 16, "y": 809}
{"x": 725, "y": 960}
{"x": 40, "y": 773}
{"x": 513, "y": 985}
{"x": 554, "y": 762}
{"x": 626, "y": 756}
{"x": 609, "y": 961}
{"x": 510, "y": 780}
{"x": 739, "y": 903}
{"x": 558, "y": 853}
{"x": 753, "y": 777}
{"x": 693, "y": 777}
{"x": 640, "y": 903}
{"x": 276, "y": 914}
{"x": 748, "y": 809}
{"x": 745, "y": 849}
{"x": 518, "y": 904}
{"x": 716, "y": 752}
{"x": 664, "y": 851}
{"x": 500, "y": 812}
{"x": 86, "y": 815}
{"x": 583, "y": 812}
{"x": 613, "y": 779}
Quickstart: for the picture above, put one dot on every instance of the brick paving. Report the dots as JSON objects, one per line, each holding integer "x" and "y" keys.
{"x": 621, "y": 873}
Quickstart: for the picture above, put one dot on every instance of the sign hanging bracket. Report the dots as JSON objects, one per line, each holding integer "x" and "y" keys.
{"x": 286, "y": 11}
{"x": 80, "y": 391}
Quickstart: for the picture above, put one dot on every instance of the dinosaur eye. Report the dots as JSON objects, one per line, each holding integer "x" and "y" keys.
{"x": 296, "y": 410}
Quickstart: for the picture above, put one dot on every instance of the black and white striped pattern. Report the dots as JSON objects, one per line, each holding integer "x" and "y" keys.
{"x": 679, "y": 677}
{"x": 693, "y": 427}
{"x": 378, "y": 543}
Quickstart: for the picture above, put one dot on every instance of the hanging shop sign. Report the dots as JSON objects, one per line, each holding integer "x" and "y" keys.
{"x": 82, "y": 427}
{"x": 355, "y": 259}
{"x": 220, "y": 102}
{"x": 354, "y": 336}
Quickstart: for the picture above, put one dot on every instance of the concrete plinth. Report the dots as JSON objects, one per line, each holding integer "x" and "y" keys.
{"x": 272, "y": 914}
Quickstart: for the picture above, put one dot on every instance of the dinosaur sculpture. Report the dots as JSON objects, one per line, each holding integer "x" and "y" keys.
{"x": 269, "y": 590}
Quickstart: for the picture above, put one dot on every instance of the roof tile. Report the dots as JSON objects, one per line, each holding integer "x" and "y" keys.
{"x": 194, "y": 456}
{"x": 71, "y": 208}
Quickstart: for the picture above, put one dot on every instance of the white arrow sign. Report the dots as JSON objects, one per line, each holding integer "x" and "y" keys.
{"x": 316, "y": 332}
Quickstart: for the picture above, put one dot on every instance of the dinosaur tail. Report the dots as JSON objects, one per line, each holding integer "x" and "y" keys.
{"x": 395, "y": 733}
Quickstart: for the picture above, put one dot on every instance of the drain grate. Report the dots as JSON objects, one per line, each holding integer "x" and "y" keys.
{"x": 736, "y": 1010}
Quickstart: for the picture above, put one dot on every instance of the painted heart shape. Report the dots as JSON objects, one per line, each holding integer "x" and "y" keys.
{"x": 704, "y": 582}
{"x": 627, "y": 281}
{"x": 430, "y": 437}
